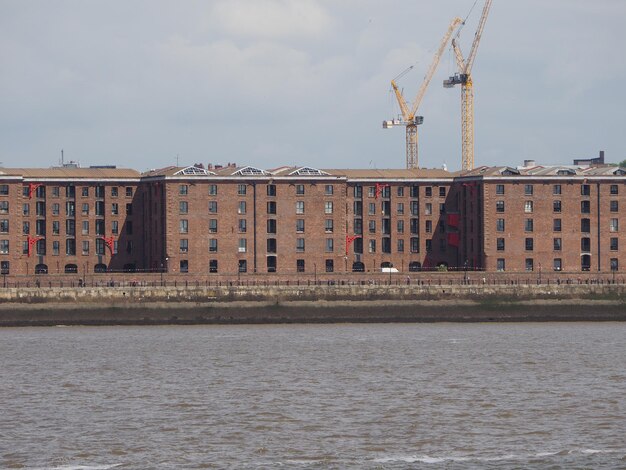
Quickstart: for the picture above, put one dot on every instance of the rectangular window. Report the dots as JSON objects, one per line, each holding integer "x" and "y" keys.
{"x": 212, "y": 190}
{"x": 556, "y": 225}
{"x": 4, "y": 207}
{"x": 212, "y": 207}
{"x": 70, "y": 227}
{"x": 328, "y": 190}
{"x": 614, "y": 244}
{"x": 442, "y": 191}
{"x": 557, "y": 264}
{"x": 300, "y": 265}
{"x": 213, "y": 266}
{"x": 99, "y": 207}
{"x": 114, "y": 208}
{"x": 328, "y": 207}
{"x": 99, "y": 246}
{"x": 84, "y": 191}
{"x": 184, "y": 266}
{"x": 299, "y": 207}
{"x": 400, "y": 226}
{"x": 614, "y": 264}
{"x": 529, "y": 244}
{"x": 585, "y": 225}
{"x": 372, "y": 208}
{"x": 241, "y": 208}
{"x": 56, "y": 227}
{"x": 358, "y": 191}
{"x": 415, "y": 191}
{"x": 429, "y": 245}
{"x": 614, "y": 206}
{"x": 85, "y": 227}
{"x": 329, "y": 245}
{"x": 183, "y": 226}
{"x": 400, "y": 191}
{"x": 271, "y": 245}
{"x": 499, "y": 206}
{"x": 4, "y": 226}
{"x": 428, "y": 191}
{"x": 70, "y": 247}
{"x": 85, "y": 250}
{"x": 328, "y": 225}
{"x": 585, "y": 244}
{"x": 4, "y": 247}
{"x": 114, "y": 191}
{"x": 358, "y": 208}
{"x": 115, "y": 227}
{"x": 500, "y": 244}
{"x": 556, "y": 206}
{"x": 613, "y": 225}
{"x": 415, "y": 244}
{"x": 40, "y": 227}
{"x": 556, "y": 189}
{"x": 70, "y": 192}
{"x": 429, "y": 226}
{"x": 271, "y": 207}
{"x": 528, "y": 207}
{"x": 330, "y": 265}
{"x": 400, "y": 245}
{"x": 243, "y": 266}
{"x": 25, "y": 228}
{"x": 183, "y": 245}
{"x": 183, "y": 207}
{"x": 585, "y": 190}
{"x": 271, "y": 226}
{"x": 241, "y": 189}
{"x": 529, "y": 264}
{"x": 400, "y": 208}
{"x": 372, "y": 246}
{"x": 85, "y": 209}
{"x": 299, "y": 189}
{"x": 242, "y": 245}
{"x": 183, "y": 189}
{"x": 528, "y": 189}
{"x": 242, "y": 226}
{"x": 499, "y": 225}
{"x": 414, "y": 226}
{"x": 614, "y": 189}
{"x": 528, "y": 225}
{"x": 415, "y": 208}
{"x": 299, "y": 225}
{"x": 99, "y": 191}
{"x": 500, "y": 264}
{"x": 212, "y": 226}
{"x": 299, "y": 244}
{"x": 56, "y": 248}
{"x": 271, "y": 190}
{"x": 556, "y": 244}
{"x": 40, "y": 208}
{"x": 56, "y": 191}
{"x": 585, "y": 207}
{"x": 372, "y": 226}
{"x": 213, "y": 245}
{"x": 371, "y": 191}
{"x": 129, "y": 191}
{"x": 99, "y": 227}
{"x": 499, "y": 189}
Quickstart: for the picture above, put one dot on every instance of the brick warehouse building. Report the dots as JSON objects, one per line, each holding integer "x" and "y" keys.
{"x": 233, "y": 221}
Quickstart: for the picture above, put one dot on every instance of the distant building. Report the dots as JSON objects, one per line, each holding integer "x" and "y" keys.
{"x": 232, "y": 220}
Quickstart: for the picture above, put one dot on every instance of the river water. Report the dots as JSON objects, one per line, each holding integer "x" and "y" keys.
{"x": 378, "y": 396}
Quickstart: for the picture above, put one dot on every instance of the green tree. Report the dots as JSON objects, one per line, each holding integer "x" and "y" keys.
{"x": 622, "y": 164}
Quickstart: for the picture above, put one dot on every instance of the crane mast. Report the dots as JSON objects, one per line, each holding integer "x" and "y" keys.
{"x": 464, "y": 78}
{"x": 408, "y": 115}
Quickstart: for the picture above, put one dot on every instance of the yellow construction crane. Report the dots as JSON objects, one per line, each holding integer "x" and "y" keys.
{"x": 464, "y": 78}
{"x": 408, "y": 117}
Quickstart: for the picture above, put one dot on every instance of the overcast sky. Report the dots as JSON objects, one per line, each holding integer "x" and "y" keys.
{"x": 304, "y": 82}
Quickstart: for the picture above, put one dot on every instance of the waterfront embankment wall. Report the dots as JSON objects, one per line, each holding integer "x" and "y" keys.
{"x": 313, "y": 304}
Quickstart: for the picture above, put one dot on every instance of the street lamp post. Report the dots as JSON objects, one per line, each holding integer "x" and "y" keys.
{"x": 465, "y": 272}
{"x": 161, "y": 274}
{"x": 315, "y": 273}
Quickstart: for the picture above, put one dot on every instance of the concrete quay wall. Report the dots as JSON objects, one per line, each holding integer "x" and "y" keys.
{"x": 310, "y": 304}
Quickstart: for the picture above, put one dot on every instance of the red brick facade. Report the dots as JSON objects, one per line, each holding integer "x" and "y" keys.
{"x": 230, "y": 221}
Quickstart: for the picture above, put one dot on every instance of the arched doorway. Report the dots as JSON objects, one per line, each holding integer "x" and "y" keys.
{"x": 415, "y": 266}
{"x": 71, "y": 269}
{"x": 100, "y": 268}
{"x": 41, "y": 269}
{"x": 358, "y": 267}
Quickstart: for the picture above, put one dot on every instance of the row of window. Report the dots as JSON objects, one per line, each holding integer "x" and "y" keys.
{"x": 557, "y": 264}
{"x": 70, "y": 208}
{"x": 329, "y": 265}
{"x": 70, "y": 247}
{"x": 585, "y": 225}
{"x": 242, "y": 189}
{"x": 70, "y": 191}
{"x": 585, "y": 189}
{"x": 585, "y": 206}
{"x": 385, "y": 191}
{"x": 557, "y": 244}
